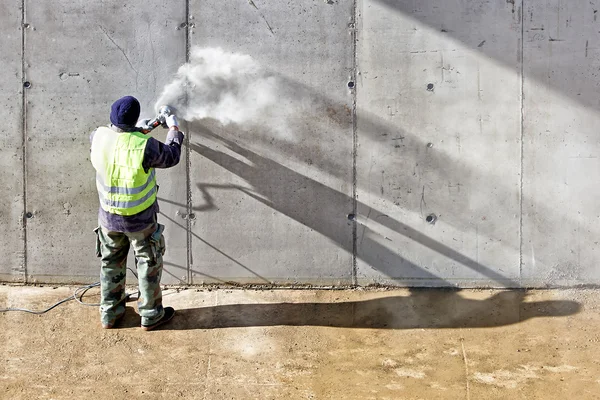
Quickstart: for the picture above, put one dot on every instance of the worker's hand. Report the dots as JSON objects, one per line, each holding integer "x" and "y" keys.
{"x": 171, "y": 121}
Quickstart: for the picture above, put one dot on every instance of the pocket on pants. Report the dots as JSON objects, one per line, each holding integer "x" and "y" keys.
{"x": 98, "y": 243}
{"x": 158, "y": 241}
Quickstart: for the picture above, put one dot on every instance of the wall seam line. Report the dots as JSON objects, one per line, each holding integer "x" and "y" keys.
{"x": 188, "y": 166}
{"x": 24, "y": 143}
{"x": 522, "y": 143}
{"x": 354, "y": 143}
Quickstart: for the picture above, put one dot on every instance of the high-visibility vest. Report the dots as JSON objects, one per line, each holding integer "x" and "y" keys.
{"x": 124, "y": 188}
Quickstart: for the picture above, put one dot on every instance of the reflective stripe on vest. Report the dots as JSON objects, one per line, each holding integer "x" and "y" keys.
{"x": 126, "y": 203}
{"x": 121, "y": 190}
{"x": 124, "y": 188}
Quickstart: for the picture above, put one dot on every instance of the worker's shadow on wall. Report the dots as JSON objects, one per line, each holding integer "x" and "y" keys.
{"x": 325, "y": 210}
{"x": 423, "y": 308}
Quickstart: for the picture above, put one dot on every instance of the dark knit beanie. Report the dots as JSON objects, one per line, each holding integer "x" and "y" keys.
{"x": 125, "y": 112}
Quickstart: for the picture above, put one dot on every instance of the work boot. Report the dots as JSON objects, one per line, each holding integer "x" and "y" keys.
{"x": 169, "y": 313}
{"x": 112, "y": 324}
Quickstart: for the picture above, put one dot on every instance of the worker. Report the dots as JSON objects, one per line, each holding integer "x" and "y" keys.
{"x": 125, "y": 159}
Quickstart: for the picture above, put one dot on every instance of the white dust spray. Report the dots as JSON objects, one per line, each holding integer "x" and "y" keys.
{"x": 228, "y": 87}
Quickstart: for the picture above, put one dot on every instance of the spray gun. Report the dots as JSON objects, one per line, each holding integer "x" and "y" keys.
{"x": 147, "y": 125}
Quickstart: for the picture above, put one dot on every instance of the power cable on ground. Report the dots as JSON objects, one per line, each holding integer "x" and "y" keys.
{"x": 77, "y": 296}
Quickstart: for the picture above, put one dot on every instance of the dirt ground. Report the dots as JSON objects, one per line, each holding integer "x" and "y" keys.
{"x": 306, "y": 344}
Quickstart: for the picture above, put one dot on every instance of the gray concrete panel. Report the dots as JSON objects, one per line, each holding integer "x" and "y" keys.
{"x": 271, "y": 201}
{"x": 438, "y": 156}
{"x": 561, "y": 144}
{"x": 12, "y": 267}
{"x": 451, "y": 125}
{"x": 461, "y": 21}
{"x": 80, "y": 58}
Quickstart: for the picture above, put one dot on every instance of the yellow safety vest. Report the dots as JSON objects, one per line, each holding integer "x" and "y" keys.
{"x": 124, "y": 188}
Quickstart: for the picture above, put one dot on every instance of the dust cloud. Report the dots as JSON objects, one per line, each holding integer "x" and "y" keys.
{"x": 230, "y": 88}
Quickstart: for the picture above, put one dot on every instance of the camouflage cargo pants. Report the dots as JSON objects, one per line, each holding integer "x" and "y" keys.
{"x": 148, "y": 248}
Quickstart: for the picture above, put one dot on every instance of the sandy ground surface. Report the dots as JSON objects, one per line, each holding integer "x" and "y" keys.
{"x": 305, "y": 344}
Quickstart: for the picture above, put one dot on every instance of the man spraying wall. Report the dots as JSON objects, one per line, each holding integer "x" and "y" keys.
{"x": 125, "y": 158}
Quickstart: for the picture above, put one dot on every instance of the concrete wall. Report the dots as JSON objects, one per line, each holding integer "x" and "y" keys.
{"x": 458, "y": 133}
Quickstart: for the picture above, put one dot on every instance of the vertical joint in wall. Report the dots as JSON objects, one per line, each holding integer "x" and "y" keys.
{"x": 354, "y": 143}
{"x": 24, "y": 143}
{"x": 522, "y": 138}
{"x": 187, "y": 155}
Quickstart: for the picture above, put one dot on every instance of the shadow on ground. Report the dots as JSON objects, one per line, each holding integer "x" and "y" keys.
{"x": 422, "y": 309}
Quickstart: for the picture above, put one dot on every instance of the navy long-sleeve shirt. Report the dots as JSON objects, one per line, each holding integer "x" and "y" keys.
{"x": 156, "y": 155}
